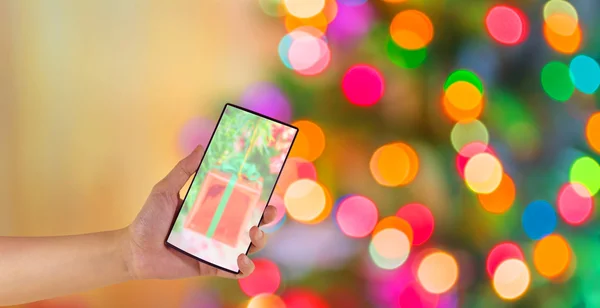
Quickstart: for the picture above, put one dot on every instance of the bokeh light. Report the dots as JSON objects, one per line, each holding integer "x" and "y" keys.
{"x": 305, "y": 200}
{"x": 551, "y": 256}
{"x": 483, "y": 173}
{"x": 464, "y": 95}
{"x": 356, "y": 216}
{"x": 556, "y": 81}
{"x": 507, "y": 25}
{"x": 295, "y": 168}
{"x": 438, "y": 272}
{"x": 464, "y": 75}
{"x": 561, "y": 17}
{"x": 469, "y": 151}
{"x": 586, "y": 171}
{"x": 413, "y": 295}
{"x": 196, "y": 131}
{"x": 585, "y": 74}
{"x": 501, "y": 199}
{"x": 394, "y": 164}
{"x": 466, "y": 132}
{"x": 265, "y": 278}
{"x": 304, "y": 8}
{"x": 395, "y": 222}
{"x": 352, "y": 22}
{"x": 303, "y": 298}
{"x": 266, "y": 98}
{"x": 308, "y": 55}
{"x": 405, "y": 58}
{"x": 326, "y": 210}
{"x": 389, "y": 248}
{"x": 266, "y": 301}
{"x": 568, "y": 44}
{"x": 363, "y": 85}
{"x": 592, "y": 131}
{"x": 310, "y": 141}
{"x": 511, "y": 279}
{"x": 421, "y": 221}
{"x": 500, "y": 253}
{"x": 456, "y": 114}
{"x": 411, "y": 29}
{"x": 539, "y": 219}
{"x": 575, "y": 204}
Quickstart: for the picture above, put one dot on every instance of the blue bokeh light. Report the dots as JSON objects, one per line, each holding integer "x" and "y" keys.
{"x": 539, "y": 219}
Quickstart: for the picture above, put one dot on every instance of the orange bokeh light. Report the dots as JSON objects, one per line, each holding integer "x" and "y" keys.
{"x": 318, "y": 21}
{"x": 411, "y": 29}
{"x": 397, "y": 223}
{"x": 592, "y": 132}
{"x": 551, "y": 256}
{"x": 563, "y": 44}
{"x": 501, "y": 199}
{"x": 310, "y": 141}
{"x": 459, "y": 115}
{"x": 394, "y": 164}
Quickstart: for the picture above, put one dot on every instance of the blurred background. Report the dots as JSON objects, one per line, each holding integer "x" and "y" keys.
{"x": 447, "y": 156}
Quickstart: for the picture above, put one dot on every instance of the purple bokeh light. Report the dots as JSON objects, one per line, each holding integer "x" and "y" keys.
{"x": 351, "y": 23}
{"x": 266, "y": 98}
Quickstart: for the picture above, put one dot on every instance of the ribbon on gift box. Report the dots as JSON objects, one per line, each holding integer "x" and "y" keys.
{"x": 238, "y": 167}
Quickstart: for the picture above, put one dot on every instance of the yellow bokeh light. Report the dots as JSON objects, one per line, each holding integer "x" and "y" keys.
{"x": 464, "y": 95}
{"x": 326, "y": 210}
{"x": 466, "y": 132}
{"x": 562, "y": 24}
{"x": 305, "y": 200}
{"x": 457, "y": 114}
{"x": 395, "y": 222}
{"x": 483, "y": 173}
{"x": 551, "y": 256}
{"x": 266, "y": 301}
{"x": 438, "y": 272}
{"x": 511, "y": 279}
{"x": 391, "y": 244}
{"x": 304, "y": 8}
{"x": 310, "y": 141}
{"x": 394, "y": 164}
{"x": 318, "y": 22}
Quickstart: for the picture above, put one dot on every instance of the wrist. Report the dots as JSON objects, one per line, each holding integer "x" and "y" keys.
{"x": 124, "y": 253}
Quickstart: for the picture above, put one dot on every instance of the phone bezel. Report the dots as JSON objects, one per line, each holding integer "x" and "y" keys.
{"x": 198, "y": 168}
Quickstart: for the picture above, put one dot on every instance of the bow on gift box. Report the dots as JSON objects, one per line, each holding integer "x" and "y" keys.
{"x": 238, "y": 166}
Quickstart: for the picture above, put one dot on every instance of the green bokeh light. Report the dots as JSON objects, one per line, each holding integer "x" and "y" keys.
{"x": 586, "y": 171}
{"x": 464, "y": 75}
{"x": 556, "y": 81}
{"x": 403, "y": 57}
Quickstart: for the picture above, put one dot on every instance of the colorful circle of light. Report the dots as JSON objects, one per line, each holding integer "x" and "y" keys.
{"x": 389, "y": 248}
{"x": 266, "y": 98}
{"x": 326, "y": 210}
{"x": 318, "y": 22}
{"x": 568, "y": 44}
{"x": 304, "y": 8}
{"x": 303, "y": 298}
{"x": 483, "y": 173}
{"x": 394, "y": 164}
{"x": 309, "y": 55}
{"x": 414, "y": 295}
{"x": 405, "y": 58}
{"x": 585, "y": 74}
{"x": 561, "y": 17}
{"x": 397, "y": 223}
{"x": 310, "y": 141}
{"x": 592, "y": 131}
{"x": 501, "y": 199}
{"x": 295, "y": 168}
{"x": 507, "y": 25}
{"x": 411, "y": 29}
{"x": 305, "y": 200}
{"x": 363, "y": 85}
{"x": 356, "y": 216}
{"x": 575, "y": 204}
{"x": 464, "y": 75}
{"x": 438, "y": 272}
{"x": 466, "y": 132}
{"x": 266, "y": 301}
{"x": 556, "y": 81}
{"x": 469, "y": 151}
{"x": 265, "y": 278}
{"x": 551, "y": 256}
{"x": 500, "y": 253}
{"x": 511, "y": 279}
{"x": 539, "y": 219}
{"x": 421, "y": 221}
{"x": 586, "y": 171}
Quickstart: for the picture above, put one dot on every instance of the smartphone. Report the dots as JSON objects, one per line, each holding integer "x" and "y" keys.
{"x": 231, "y": 188}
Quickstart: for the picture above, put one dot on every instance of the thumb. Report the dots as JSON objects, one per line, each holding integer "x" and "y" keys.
{"x": 184, "y": 169}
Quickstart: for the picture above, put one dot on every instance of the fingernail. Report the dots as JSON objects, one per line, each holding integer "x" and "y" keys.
{"x": 246, "y": 260}
{"x": 260, "y": 234}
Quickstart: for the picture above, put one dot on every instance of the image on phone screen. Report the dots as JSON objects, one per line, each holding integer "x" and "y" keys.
{"x": 232, "y": 187}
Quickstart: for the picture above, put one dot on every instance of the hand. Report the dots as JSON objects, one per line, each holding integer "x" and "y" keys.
{"x": 147, "y": 256}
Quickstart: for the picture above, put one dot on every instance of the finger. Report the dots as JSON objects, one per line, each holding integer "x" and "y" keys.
{"x": 175, "y": 180}
{"x": 258, "y": 238}
{"x": 246, "y": 266}
{"x": 270, "y": 214}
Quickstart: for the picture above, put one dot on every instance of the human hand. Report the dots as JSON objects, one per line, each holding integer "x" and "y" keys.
{"x": 147, "y": 256}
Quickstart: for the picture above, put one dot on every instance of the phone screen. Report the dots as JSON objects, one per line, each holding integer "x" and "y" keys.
{"x": 232, "y": 187}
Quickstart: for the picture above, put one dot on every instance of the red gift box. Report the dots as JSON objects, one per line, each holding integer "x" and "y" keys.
{"x": 225, "y": 223}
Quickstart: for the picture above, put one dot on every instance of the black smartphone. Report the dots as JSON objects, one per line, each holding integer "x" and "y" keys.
{"x": 232, "y": 187}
